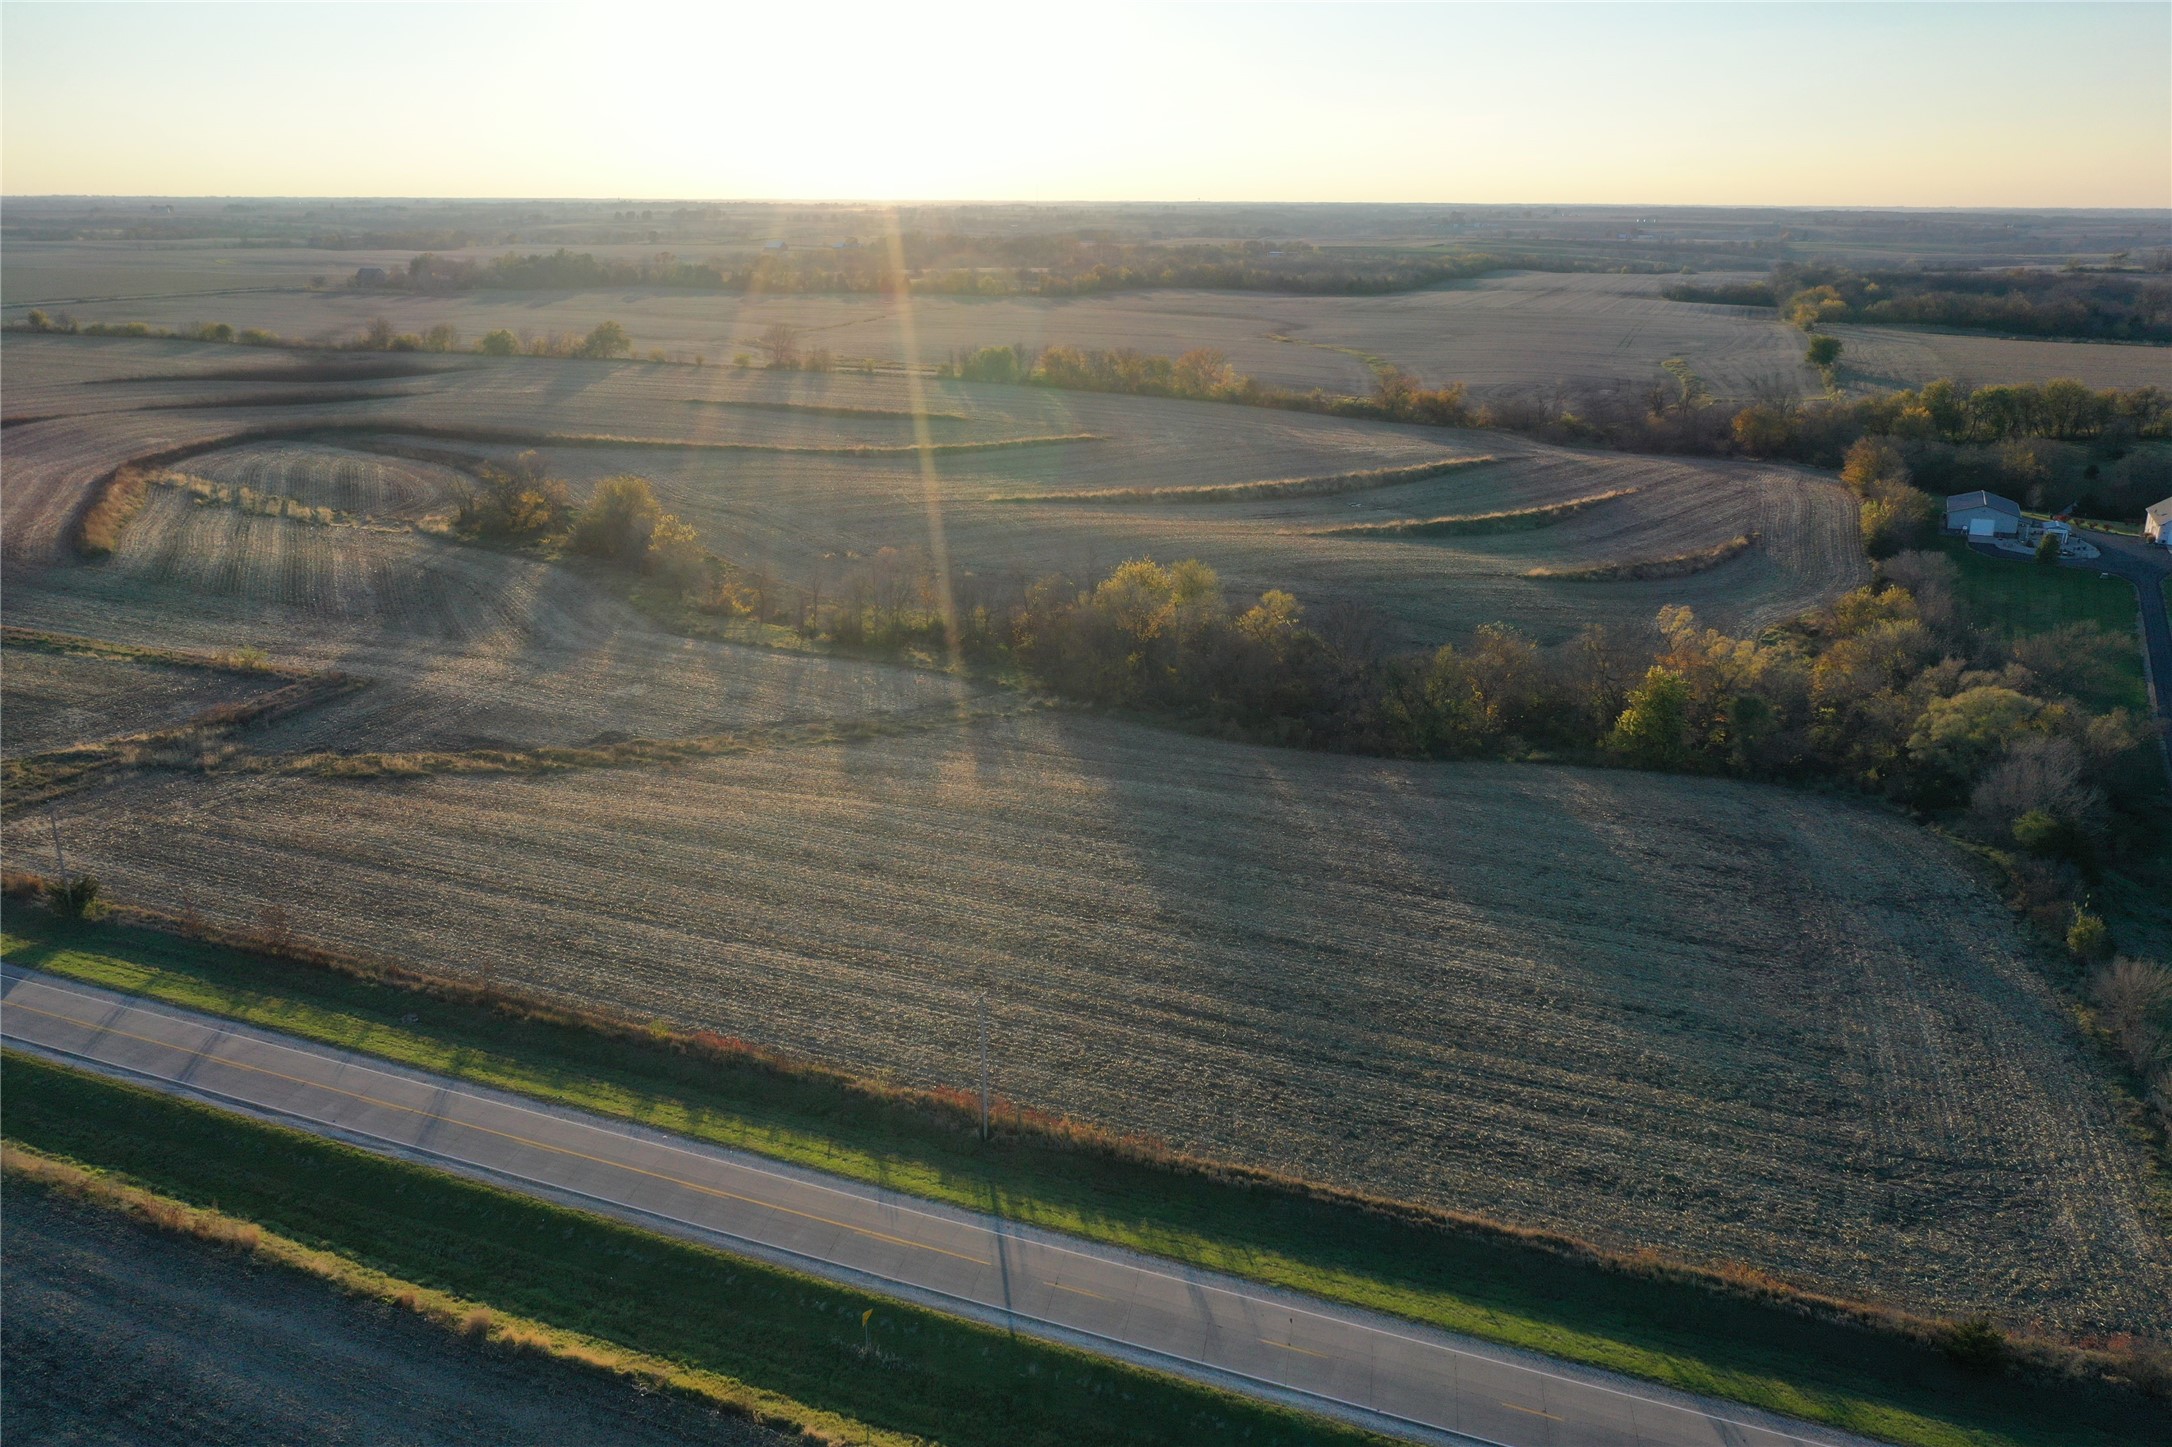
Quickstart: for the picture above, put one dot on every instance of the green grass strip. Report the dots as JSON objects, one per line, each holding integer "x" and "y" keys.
{"x": 1489, "y": 1285}
{"x": 908, "y": 1369}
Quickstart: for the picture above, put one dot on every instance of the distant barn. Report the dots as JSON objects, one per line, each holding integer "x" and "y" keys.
{"x": 1983, "y": 515}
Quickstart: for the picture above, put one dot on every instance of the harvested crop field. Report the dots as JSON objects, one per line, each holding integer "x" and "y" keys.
{"x": 1504, "y": 334}
{"x": 116, "y": 1335}
{"x": 801, "y": 471}
{"x": 464, "y": 647}
{"x": 1426, "y": 589}
{"x": 1730, "y": 1022}
{"x": 1883, "y": 357}
{"x": 320, "y": 476}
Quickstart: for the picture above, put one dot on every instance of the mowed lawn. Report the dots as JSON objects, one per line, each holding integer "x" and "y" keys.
{"x": 2016, "y": 598}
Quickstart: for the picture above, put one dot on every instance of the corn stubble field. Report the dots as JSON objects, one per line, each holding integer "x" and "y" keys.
{"x": 1729, "y": 1022}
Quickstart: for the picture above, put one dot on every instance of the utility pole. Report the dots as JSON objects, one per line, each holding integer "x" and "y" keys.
{"x": 984, "y": 1067}
{"x": 52, "y": 816}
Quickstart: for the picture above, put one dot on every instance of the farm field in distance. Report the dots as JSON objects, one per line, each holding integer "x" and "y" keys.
{"x": 780, "y": 482}
{"x": 1503, "y": 335}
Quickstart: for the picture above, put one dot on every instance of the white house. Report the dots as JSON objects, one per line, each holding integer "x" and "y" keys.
{"x": 1983, "y": 515}
{"x": 2157, "y": 522}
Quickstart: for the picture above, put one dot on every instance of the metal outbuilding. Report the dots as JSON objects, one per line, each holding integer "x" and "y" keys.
{"x": 1981, "y": 514}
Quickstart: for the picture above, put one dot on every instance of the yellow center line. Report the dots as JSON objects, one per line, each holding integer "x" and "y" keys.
{"x": 366, "y": 1099}
{"x": 1286, "y": 1346}
{"x": 1532, "y": 1410}
{"x": 1078, "y": 1291}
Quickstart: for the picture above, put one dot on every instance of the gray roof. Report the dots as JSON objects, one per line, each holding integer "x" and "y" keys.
{"x": 2160, "y": 512}
{"x": 1963, "y": 501}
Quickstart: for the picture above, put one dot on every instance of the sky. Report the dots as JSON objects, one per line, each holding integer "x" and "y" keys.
{"x": 1918, "y": 104}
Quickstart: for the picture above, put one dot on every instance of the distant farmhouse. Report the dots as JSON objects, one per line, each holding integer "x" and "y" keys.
{"x": 2157, "y": 522}
{"x": 1983, "y": 516}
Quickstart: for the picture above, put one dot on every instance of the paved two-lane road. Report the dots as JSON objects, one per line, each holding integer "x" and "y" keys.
{"x": 1374, "y": 1370}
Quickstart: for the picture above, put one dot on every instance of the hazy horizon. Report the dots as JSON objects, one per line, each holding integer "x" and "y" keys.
{"x": 1856, "y": 107}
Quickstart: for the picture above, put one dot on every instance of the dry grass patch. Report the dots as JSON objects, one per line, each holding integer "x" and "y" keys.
{"x": 109, "y": 509}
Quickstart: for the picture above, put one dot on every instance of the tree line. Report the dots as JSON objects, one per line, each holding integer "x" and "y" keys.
{"x": 604, "y": 341}
{"x": 1673, "y": 414}
{"x": 622, "y": 522}
{"x": 1890, "y": 689}
{"x": 970, "y": 266}
{"x": 2095, "y": 305}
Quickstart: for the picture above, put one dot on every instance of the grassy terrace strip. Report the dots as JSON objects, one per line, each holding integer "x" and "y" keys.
{"x": 201, "y": 743}
{"x": 67, "y": 644}
{"x": 522, "y": 438}
{"x": 910, "y": 1371}
{"x": 630, "y": 753}
{"x": 1742, "y": 1337}
{"x": 109, "y": 506}
{"x": 1326, "y": 485}
{"x": 474, "y": 1320}
{"x": 817, "y": 409}
{"x": 1638, "y": 570}
{"x": 1508, "y": 520}
{"x": 107, "y": 511}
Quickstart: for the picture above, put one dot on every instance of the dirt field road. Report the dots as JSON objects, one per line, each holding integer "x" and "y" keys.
{"x": 1387, "y": 1374}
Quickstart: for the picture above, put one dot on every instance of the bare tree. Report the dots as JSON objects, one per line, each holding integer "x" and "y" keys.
{"x": 780, "y": 343}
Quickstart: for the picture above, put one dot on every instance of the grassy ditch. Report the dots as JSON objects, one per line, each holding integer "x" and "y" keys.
{"x": 907, "y": 1370}
{"x": 1732, "y": 1335}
